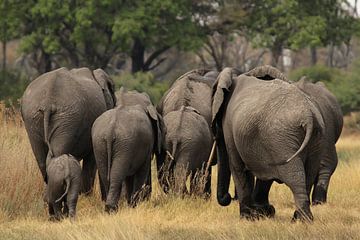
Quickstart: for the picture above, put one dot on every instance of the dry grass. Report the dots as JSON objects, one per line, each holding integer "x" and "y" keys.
{"x": 23, "y": 214}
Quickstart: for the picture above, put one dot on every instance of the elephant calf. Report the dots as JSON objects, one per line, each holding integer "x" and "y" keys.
{"x": 63, "y": 186}
{"x": 124, "y": 139}
{"x": 188, "y": 142}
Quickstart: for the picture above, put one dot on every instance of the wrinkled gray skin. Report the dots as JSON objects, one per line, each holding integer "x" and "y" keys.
{"x": 59, "y": 108}
{"x": 124, "y": 140}
{"x": 333, "y": 120}
{"x": 331, "y": 112}
{"x": 189, "y": 139}
{"x": 193, "y": 89}
{"x": 267, "y": 129}
{"x": 64, "y": 180}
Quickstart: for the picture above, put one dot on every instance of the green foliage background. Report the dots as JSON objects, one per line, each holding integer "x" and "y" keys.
{"x": 345, "y": 84}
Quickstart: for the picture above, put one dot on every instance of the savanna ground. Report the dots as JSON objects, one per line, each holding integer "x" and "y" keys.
{"x": 23, "y": 214}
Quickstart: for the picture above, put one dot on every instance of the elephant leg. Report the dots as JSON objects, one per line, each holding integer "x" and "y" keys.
{"x": 65, "y": 211}
{"x": 141, "y": 188}
{"x": 327, "y": 167}
{"x": 294, "y": 177}
{"x": 102, "y": 189}
{"x": 260, "y": 198}
{"x": 117, "y": 176}
{"x": 207, "y": 189}
{"x": 72, "y": 196}
{"x": 129, "y": 181}
{"x": 162, "y": 171}
{"x": 243, "y": 179}
{"x": 88, "y": 174}
{"x": 40, "y": 150}
{"x": 180, "y": 176}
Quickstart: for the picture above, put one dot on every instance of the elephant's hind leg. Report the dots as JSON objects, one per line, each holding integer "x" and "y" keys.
{"x": 260, "y": 198}
{"x": 88, "y": 174}
{"x": 293, "y": 175}
{"x": 40, "y": 150}
{"x": 141, "y": 187}
{"x": 327, "y": 168}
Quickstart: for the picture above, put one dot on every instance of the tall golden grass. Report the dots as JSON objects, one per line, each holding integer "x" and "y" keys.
{"x": 24, "y": 216}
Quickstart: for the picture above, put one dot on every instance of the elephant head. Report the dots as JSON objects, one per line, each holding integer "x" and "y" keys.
{"x": 64, "y": 177}
{"x": 107, "y": 85}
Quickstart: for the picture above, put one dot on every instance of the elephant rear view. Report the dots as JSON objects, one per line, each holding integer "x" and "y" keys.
{"x": 267, "y": 129}
{"x": 59, "y": 108}
{"x": 124, "y": 140}
{"x": 330, "y": 110}
{"x": 188, "y": 137}
{"x": 63, "y": 186}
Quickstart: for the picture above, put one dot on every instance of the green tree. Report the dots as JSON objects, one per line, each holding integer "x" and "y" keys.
{"x": 9, "y": 24}
{"x": 91, "y": 32}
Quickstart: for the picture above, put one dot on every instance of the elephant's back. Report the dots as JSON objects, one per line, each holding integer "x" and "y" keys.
{"x": 187, "y": 126}
{"x": 186, "y": 92}
{"x": 328, "y": 106}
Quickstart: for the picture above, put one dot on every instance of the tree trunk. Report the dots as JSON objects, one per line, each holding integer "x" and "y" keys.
{"x": 313, "y": 53}
{"x": 137, "y": 56}
{"x": 4, "y": 56}
{"x": 330, "y": 55}
{"x": 47, "y": 62}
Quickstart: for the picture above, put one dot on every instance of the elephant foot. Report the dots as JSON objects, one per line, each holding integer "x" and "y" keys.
{"x": 319, "y": 196}
{"x": 303, "y": 216}
{"x": 54, "y": 218}
{"x": 111, "y": 209}
{"x": 249, "y": 213}
{"x": 266, "y": 210}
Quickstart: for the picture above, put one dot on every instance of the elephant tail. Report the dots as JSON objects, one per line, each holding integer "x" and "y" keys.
{"x": 47, "y": 135}
{"x": 109, "y": 155}
{"x": 308, "y": 133}
{"x": 67, "y": 180}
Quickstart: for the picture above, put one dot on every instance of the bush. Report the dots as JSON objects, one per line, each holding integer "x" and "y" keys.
{"x": 315, "y": 73}
{"x": 12, "y": 86}
{"x": 142, "y": 82}
{"x": 344, "y": 85}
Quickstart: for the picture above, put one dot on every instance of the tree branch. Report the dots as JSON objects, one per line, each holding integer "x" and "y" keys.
{"x": 153, "y": 56}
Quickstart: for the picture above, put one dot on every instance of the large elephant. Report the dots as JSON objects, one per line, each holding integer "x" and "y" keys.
{"x": 193, "y": 89}
{"x": 189, "y": 138}
{"x": 124, "y": 139}
{"x": 267, "y": 129}
{"x": 331, "y": 112}
{"x": 64, "y": 180}
{"x": 59, "y": 108}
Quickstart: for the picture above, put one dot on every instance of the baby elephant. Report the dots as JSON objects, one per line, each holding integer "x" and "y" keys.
{"x": 124, "y": 139}
{"x": 64, "y": 179}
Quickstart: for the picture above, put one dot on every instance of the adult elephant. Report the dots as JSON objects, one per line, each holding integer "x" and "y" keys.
{"x": 189, "y": 139}
{"x": 331, "y": 112}
{"x": 59, "y": 108}
{"x": 267, "y": 129}
{"x": 124, "y": 139}
{"x": 194, "y": 90}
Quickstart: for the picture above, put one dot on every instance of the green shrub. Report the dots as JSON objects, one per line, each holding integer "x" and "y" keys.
{"x": 142, "y": 82}
{"x": 344, "y": 85}
{"x": 315, "y": 73}
{"x": 12, "y": 86}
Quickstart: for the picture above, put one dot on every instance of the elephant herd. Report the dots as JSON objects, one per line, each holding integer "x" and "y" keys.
{"x": 256, "y": 126}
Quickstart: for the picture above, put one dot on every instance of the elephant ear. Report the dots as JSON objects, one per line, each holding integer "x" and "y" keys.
{"x": 158, "y": 127}
{"x": 107, "y": 85}
{"x": 222, "y": 84}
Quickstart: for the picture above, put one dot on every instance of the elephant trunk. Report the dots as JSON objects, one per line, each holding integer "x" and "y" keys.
{"x": 223, "y": 196}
